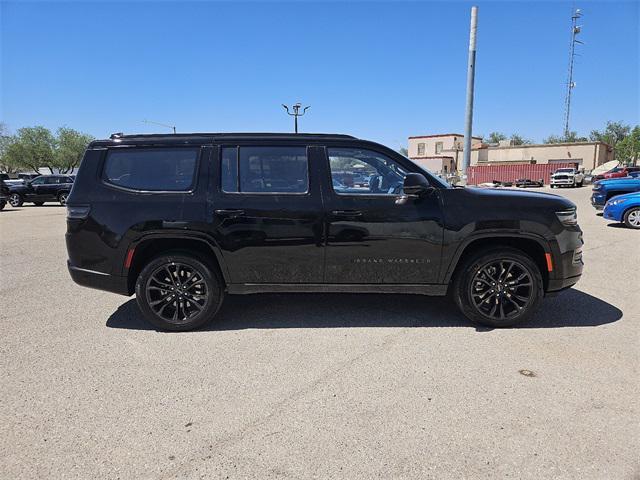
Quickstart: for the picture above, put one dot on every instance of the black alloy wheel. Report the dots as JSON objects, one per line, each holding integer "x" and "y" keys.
{"x": 498, "y": 287}
{"x": 62, "y": 198}
{"x": 179, "y": 292}
{"x": 501, "y": 289}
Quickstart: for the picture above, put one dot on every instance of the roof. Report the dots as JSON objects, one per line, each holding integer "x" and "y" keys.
{"x": 547, "y": 145}
{"x": 444, "y": 135}
{"x": 205, "y": 137}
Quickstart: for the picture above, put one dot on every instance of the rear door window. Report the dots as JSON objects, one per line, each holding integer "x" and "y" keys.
{"x": 276, "y": 170}
{"x": 166, "y": 169}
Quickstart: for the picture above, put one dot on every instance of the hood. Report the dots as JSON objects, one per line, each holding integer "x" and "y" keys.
{"x": 507, "y": 197}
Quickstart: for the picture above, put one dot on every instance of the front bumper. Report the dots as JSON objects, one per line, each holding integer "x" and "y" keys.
{"x": 598, "y": 200}
{"x": 99, "y": 280}
{"x": 562, "y": 182}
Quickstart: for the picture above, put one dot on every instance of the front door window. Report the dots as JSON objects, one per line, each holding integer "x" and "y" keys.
{"x": 357, "y": 171}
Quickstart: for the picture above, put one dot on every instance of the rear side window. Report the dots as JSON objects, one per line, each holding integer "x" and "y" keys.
{"x": 166, "y": 169}
{"x": 265, "y": 170}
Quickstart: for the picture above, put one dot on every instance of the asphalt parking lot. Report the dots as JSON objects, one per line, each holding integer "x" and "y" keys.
{"x": 316, "y": 386}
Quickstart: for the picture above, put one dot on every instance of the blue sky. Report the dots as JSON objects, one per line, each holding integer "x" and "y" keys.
{"x": 381, "y": 71}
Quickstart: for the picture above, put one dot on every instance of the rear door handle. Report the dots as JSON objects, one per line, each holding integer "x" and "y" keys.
{"x": 347, "y": 213}
{"x": 229, "y": 213}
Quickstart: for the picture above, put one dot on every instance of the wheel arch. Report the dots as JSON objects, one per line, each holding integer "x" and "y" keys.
{"x": 151, "y": 246}
{"x": 534, "y": 246}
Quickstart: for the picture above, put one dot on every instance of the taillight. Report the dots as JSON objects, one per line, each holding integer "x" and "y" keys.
{"x": 77, "y": 212}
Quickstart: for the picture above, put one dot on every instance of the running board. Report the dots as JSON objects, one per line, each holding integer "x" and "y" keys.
{"x": 249, "y": 288}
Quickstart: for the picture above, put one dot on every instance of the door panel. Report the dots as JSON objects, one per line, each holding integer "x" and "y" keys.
{"x": 370, "y": 238}
{"x": 266, "y": 214}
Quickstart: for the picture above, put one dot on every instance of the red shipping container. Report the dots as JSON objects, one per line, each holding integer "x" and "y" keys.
{"x": 510, "y": 173}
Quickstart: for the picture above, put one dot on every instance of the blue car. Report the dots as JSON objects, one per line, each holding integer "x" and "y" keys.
{"x": 603, "y": 190}
{"x": 624, "y": 208}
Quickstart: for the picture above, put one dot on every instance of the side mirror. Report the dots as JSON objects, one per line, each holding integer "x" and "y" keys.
{"x": 415, "y": 185}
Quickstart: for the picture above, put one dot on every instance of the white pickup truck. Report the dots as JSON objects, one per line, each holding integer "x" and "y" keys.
{"x": 571, "y": 177}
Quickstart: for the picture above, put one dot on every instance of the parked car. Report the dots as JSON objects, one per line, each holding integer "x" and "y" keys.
{"x": 527, "y": 182}
{"x": 44, "y": 188}
{"x": 617, "y": 172}
{"x": 603, "y": 190}
{"x": 183, "y": 220}
{"x": 570, "y": 177}
{"x": 27, "y": 176}
{"x": 4, "y": 194}
{"x": 624, "y": 208}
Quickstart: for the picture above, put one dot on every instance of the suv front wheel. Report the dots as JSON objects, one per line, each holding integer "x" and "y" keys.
{"x": 498, "y": 287}
{"x": 179, "y": 292}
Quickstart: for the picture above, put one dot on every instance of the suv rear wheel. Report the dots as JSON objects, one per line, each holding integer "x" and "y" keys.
{"x": 498, "y": 287}
{"x": 16, "y": 200}
{"x": 62, "y": 198}
{"x": 178, "y": 292}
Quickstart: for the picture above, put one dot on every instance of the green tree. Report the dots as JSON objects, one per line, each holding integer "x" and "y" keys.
{"x": 571, "y": 137}
{"x": 70, "y": 147}
{"x": 32, "y": 148}
{"x": 627, "y": 150}
{"x": 612, "y": 134}
{"x": 6, "y": 139}
{"x": 403, "y": 151}
{"x": 519, "y": 140}
{"x": 495, "y": 137}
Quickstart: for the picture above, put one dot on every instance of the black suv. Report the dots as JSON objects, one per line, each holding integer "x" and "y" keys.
{"x": 183, "y": 220}
{"x": 43, "y": 188}
{"x": 4, "y": 194}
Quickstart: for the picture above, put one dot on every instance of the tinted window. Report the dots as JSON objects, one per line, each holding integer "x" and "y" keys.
{"x": 265, "y": 170}
{"x": 364, "y": 172}
{"x": 38, "y": 181}
{"x": 167, "y": 169}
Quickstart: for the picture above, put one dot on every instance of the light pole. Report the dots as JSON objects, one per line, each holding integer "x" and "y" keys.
{"x": 471, "y": 68}
{"x": 161, "y": 124}
{"x": 296, "y": 113}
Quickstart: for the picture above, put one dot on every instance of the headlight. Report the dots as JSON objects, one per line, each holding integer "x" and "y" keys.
{"x": 568, "y": 217}
{"x": 617, "y": 201}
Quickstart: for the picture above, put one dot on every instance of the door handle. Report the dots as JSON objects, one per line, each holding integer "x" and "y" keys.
{"x": 347, "y": 213}
{"x": 229, "y": 213}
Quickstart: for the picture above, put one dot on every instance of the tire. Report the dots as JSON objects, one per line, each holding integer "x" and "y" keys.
{"x": 170, "y": 270}
{"x": 476, "y": 301}
{"x": 38, "y": 204}
{"x": 16, "y": 200}
{"x": 632, "y": 218}
{"x": 62, "y": 198}
{"x": 580, "y": 183}
{"x": 552, "y": 186}
{"x": 3, "y": 203}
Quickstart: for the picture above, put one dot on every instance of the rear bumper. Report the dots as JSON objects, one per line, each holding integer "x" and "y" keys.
{"x": 99, "y": 280}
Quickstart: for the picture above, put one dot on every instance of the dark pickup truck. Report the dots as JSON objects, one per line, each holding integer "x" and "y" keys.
{"x": 44, "y": 188}
{"x": 183, "y": 220}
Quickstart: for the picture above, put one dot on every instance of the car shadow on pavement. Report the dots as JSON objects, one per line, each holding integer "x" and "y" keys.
{"x": 571, "y": 308}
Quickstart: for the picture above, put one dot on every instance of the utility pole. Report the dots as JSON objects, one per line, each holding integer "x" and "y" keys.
{"x": 296, "y": 113}
{"x": 160, "y": 124}
{"x": 471, "y": 69}
{"x": 575, "y": 30}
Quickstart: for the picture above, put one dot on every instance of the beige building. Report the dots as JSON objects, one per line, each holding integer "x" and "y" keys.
{"x": 442, "y": 153}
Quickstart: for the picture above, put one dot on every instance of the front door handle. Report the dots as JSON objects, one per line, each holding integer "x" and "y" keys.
{"x": 229, "y": 213}
{"x": 347, "y": 213}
